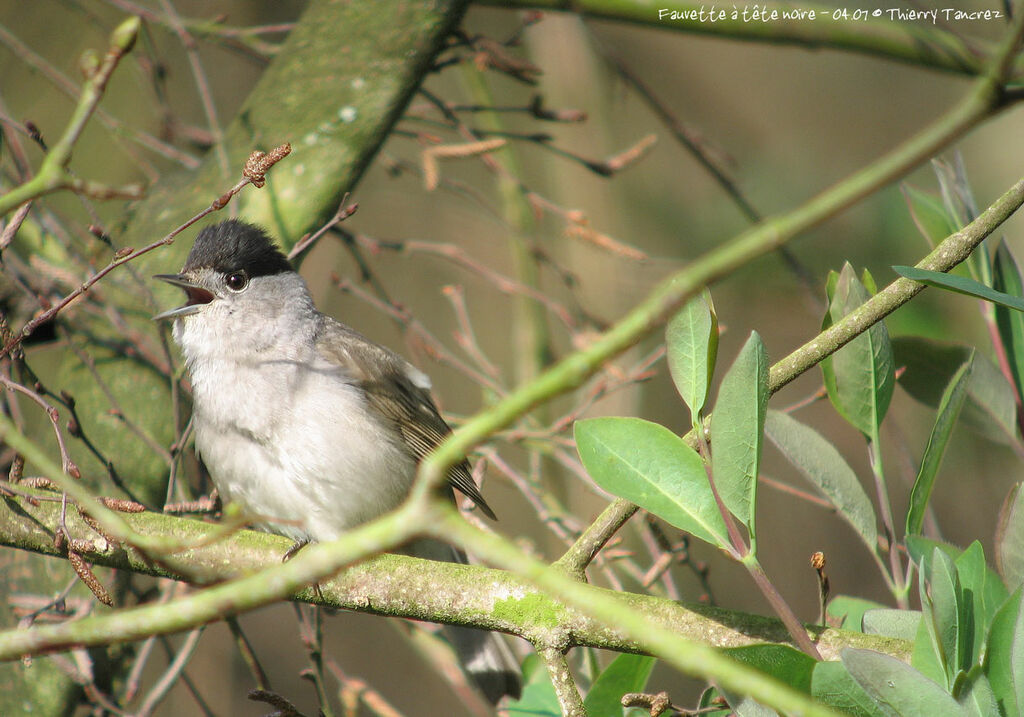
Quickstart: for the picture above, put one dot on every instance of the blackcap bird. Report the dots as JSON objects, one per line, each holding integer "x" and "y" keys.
{"x": 306, "y": 425}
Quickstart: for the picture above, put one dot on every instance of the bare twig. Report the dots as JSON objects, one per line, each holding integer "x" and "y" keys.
{"x": 255, "y": 169}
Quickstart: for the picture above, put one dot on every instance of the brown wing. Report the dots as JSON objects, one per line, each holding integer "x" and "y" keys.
{"x": 391, "y": 392}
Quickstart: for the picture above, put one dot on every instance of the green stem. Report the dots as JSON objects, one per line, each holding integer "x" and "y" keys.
{"x": 921, "y": 45}
{"x": 692, "y": 658}
{"x": 53, "y": 173}
{"x": 885, "y": 508}
{"x": 779, "y": 605}
{"x": 532, "y": 340}
{"x": 215, "y": 603}
{"x": 468, "y": 595}
{"x": 667, "y": 297}
{"x": 950, "y": 252}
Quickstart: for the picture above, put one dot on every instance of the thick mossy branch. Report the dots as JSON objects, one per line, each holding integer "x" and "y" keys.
{"x": 394, "y": 585}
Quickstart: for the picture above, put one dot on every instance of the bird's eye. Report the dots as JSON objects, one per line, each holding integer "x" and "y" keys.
{"x": 237, "y": 280}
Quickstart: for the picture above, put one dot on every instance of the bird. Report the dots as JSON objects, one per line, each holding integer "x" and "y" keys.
{"x": 309, "y": 427}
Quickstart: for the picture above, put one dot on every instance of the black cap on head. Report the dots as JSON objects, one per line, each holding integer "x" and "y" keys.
{"x": 233, "y": 245}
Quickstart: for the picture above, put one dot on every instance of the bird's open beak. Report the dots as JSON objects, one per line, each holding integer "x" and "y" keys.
{"x": 198, "y": 297}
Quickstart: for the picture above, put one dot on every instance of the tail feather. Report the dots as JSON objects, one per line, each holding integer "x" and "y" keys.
{"x": 487, "y": 660}
{"x": 485, "y": 657}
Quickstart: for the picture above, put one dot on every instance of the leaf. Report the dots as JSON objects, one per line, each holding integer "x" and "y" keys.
{"x": 737, "y": 430}
{"x": 983, "y": 594}
{"x": 784, "y": 663}
{"x": 849, "y": 611}
{"x": 538, "y": 698}
{"x": 922, "y": 549}
{"x": 649, "y": 465}
{"x": 929, "y": 365}
{"x": 983, "y": 589}
{"x": 949, "y": 409}
{"x": 1006, "y": 279}
{"x": 833, "y": 685}
{"x": 859, "y": 377}
{"x": 949, "y": 614}
{"x": 897, "y": 686}
{"x": 960, "y": 285}
{"x": 1010, "y": 538}
{"x": 626, "y": 673}
{"x": 962, "y": 209}
{"x": 902, "y": 624}
{"x": 928, "y": 214}
{"x": 976, "y": 696}
{"x": 821, "y": 464}
{"x": 691, "y": 340}
{"x": 927, "y": 656}
{"x": 1004, "y": 655}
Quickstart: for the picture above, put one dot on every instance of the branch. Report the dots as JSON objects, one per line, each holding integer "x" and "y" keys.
{"x": 881, "y": 36}
{"x": 54, "y": 174}
{"x": 985, "y": 97}
{"x": 946, "y": 255}
{"x": 449, "y": 593}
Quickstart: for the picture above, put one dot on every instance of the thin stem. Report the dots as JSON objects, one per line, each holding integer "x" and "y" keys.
{"x": 561, "y": 677}
{"x": 886, "y": 36}
{"x": 667, "y": 297}
{"x": 692, "y": 658}
{"x": 780, "y": 606}
{"x": 888, "y": 524}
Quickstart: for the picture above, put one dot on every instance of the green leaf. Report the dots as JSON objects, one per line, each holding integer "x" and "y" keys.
{"x": 976, "y": 696}
{"x": 929, "y": 214}
{"x": 821, "y": 464}
{"x": 989, "y": 410}
{"x": 927, "y": 656}
{"x": 983, "y": 593}
{"x": 709, "y": 700}
{"x": 859, "y": 378}
{"x": 949, "y": 409}
{"x": 960, "y": 285}
{"x": 737, "y": 430}
{"x": 890, "y": 622}
{"x": 849, "y": 611}
{"x": 649, "y": 465}
{"x": 833, "y": 685}
{"x": 782, "y": 662}
{"x": 922, "y": 549}
{"x": 962, "y": 209}
{"x": 1010, "y": 538}
{"x": 691, "y": 340}
{"x": 981, "y": 586}
{"x": 788, "y": 665}
{"x": 1004, "y": 655}
{"x": 538, "y": 698}
{"x": 1006, "y": 279}
{"x": 949, "y": 614}
{"x": 897, "y": 687}
{"x": 626, "y": 673}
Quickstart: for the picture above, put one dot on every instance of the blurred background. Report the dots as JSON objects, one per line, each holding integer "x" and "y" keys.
{"x": 784, "y": 122}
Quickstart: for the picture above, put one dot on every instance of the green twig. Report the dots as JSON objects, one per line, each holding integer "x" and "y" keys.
{"x": 984, "y": 98}
{"x": 690, "y": 657}
{"x": 561, "y": 678}
{"x": 950, "y": 252}
{"x": 53, "y": 174}
{"x": 924, "y": 45}
{"x": 468, "y": 595}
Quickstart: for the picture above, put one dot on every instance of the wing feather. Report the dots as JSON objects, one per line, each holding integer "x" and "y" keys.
{"x": 393, "y": 391}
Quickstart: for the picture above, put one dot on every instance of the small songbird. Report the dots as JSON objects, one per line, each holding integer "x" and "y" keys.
{"x": 305, "y": 424}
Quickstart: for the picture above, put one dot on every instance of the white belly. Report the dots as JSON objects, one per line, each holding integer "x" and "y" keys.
{"x": 296, "y": 449}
